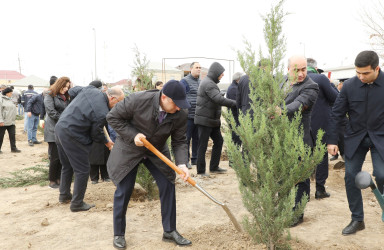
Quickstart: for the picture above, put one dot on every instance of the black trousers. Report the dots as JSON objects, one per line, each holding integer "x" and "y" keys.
{"x": 74, "y": 158}
{"x": 123, "y": 194}
{"x": 217, "y": 138}
{"x": 322, "y": 172}
{"x": 94, "y": 174}
{"x": 11, "y": 134}
{"x": 54, "y": 162}
{"x": 302, "y": 188}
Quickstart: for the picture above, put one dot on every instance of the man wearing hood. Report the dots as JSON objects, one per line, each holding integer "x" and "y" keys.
{"x": 207, "y": 117}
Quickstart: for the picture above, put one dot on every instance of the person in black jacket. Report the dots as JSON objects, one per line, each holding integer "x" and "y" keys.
{"x": 191, "y": 83}
{"x": 301, "y": 94}
{"x": 79, "y": 125}
{"x": 25, "y": 97}
{"x": 35, "y": 109}
{"x": 156, "y": 116}
{"x": 319, "y": 120}
{"x": 232, "y": 94}
{"x": 362, "y": 99}
{"x": 207, "y": 117}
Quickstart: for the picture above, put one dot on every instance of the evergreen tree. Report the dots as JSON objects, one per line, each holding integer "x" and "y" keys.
{"x": 141, "y": 71}
{"x": 144, "y": 82}
{"x": 273, "y": 157}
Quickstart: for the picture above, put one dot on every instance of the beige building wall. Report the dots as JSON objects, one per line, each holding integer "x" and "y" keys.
{"x": 7, "y": 81}
{"x": 158, "y": 76}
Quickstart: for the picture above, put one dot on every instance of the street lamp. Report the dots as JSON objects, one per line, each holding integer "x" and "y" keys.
{"x": 94, "y": 33}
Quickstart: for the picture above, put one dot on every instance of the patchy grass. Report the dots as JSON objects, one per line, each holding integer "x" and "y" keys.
{"x": 26, "y": 177}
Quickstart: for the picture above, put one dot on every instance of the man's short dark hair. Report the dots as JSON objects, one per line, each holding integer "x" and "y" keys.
{"x": 52, "y": 80}
{"x": 367, "y": 58}
{"x": 191, "y": 66}
{"x": 30, "y": 86}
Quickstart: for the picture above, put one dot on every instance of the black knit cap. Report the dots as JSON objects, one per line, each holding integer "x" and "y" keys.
{"x": 7, "y": 90}
{"x": 176, "y": 91}
{"x": 97, "y": 84}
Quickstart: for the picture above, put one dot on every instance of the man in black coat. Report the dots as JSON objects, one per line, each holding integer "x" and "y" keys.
{"x": 232, "y": 92}
{"x": 191, "y": 83}
{"x": 302, "y": 93}
{"x": 80, "y": 124}
{"x": 320, "y": 118}
{"x": 207, "y": 117}
{"x": 34, "y": 109}
{"x": 154, "y": 115}
{"x": 362, "y": 99}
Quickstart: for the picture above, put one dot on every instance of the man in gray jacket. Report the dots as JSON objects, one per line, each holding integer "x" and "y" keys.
{"x": 154, "y": 115}
{"x": 191, "y": 83}
{"x": 207, "y": 117}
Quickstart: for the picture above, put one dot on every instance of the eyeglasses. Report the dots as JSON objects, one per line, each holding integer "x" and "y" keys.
{"x": 198, "y": 67}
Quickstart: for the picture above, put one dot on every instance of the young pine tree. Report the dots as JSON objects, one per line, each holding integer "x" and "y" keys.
{"x": 273, "y": 157}
{"x": 141, "y": 71}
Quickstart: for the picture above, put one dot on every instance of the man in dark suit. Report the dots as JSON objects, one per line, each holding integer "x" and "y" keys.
{"x": 362, "y": 99}
{"x": 80, "y": 124}
{"x": 302, "y": 93}
{"x": 154, "y": 115}
{"x": 320, "y": 118}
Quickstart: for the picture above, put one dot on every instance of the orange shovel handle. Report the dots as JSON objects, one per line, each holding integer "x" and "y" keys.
{"x": 151, "y": 148}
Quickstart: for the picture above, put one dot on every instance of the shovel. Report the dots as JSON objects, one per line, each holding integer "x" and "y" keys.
{"x": 149, "y": 146}
{"x": 364, "y": 180}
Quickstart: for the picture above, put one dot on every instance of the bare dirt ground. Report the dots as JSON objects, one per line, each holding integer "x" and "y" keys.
{"x": 32, "y": 218}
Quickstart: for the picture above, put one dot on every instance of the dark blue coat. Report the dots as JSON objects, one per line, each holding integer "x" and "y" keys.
{"x": 35, "y": 105}
{"x": 231, "y": 94}
{"x": 365, "y": 108}
{"x": 84, "y": 118}
{"x": 321, "y": 111}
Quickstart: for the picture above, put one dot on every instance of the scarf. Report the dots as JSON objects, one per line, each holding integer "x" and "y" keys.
{"x": 312, "y": 70}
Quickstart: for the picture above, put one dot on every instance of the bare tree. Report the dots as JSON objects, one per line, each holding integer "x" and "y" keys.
{"x": 373, "y": 19}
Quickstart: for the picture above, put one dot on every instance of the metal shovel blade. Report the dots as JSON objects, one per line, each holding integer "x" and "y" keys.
{"x": 151, "y": 148}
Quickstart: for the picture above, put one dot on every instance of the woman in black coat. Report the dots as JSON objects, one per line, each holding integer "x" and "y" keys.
{"x": 55, "y": 101}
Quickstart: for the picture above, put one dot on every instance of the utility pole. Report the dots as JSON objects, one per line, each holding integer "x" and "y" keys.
{"x": 94, "y": 33}
{"x": 18, "y": 57}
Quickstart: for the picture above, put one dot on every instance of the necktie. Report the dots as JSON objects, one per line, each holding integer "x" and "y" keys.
{"x": 161, "y": 116}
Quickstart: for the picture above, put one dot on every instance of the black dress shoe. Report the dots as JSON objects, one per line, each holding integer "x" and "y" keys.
{"x": 322, "y": 194}
{"x": 65, "y": 198}
{"x": 298, "y": 221}
{"x": 15, "y": 150}
{"x": 83, "y": 207}
{"x": 174, "y": 236}
{"x": 203, "y": 175}
{"x": 119, "y": 242}
{"x": 353, "y": 227}
{"x": 218, "y": 170}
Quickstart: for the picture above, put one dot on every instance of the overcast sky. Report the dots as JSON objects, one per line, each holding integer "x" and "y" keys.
{"x": 58, "y": 37}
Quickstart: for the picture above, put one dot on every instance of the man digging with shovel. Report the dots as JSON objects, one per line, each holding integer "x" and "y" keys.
{"x": 154, "y": 115}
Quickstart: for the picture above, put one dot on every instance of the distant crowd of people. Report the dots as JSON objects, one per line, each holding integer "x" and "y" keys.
{"x": 96, "y": 132}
